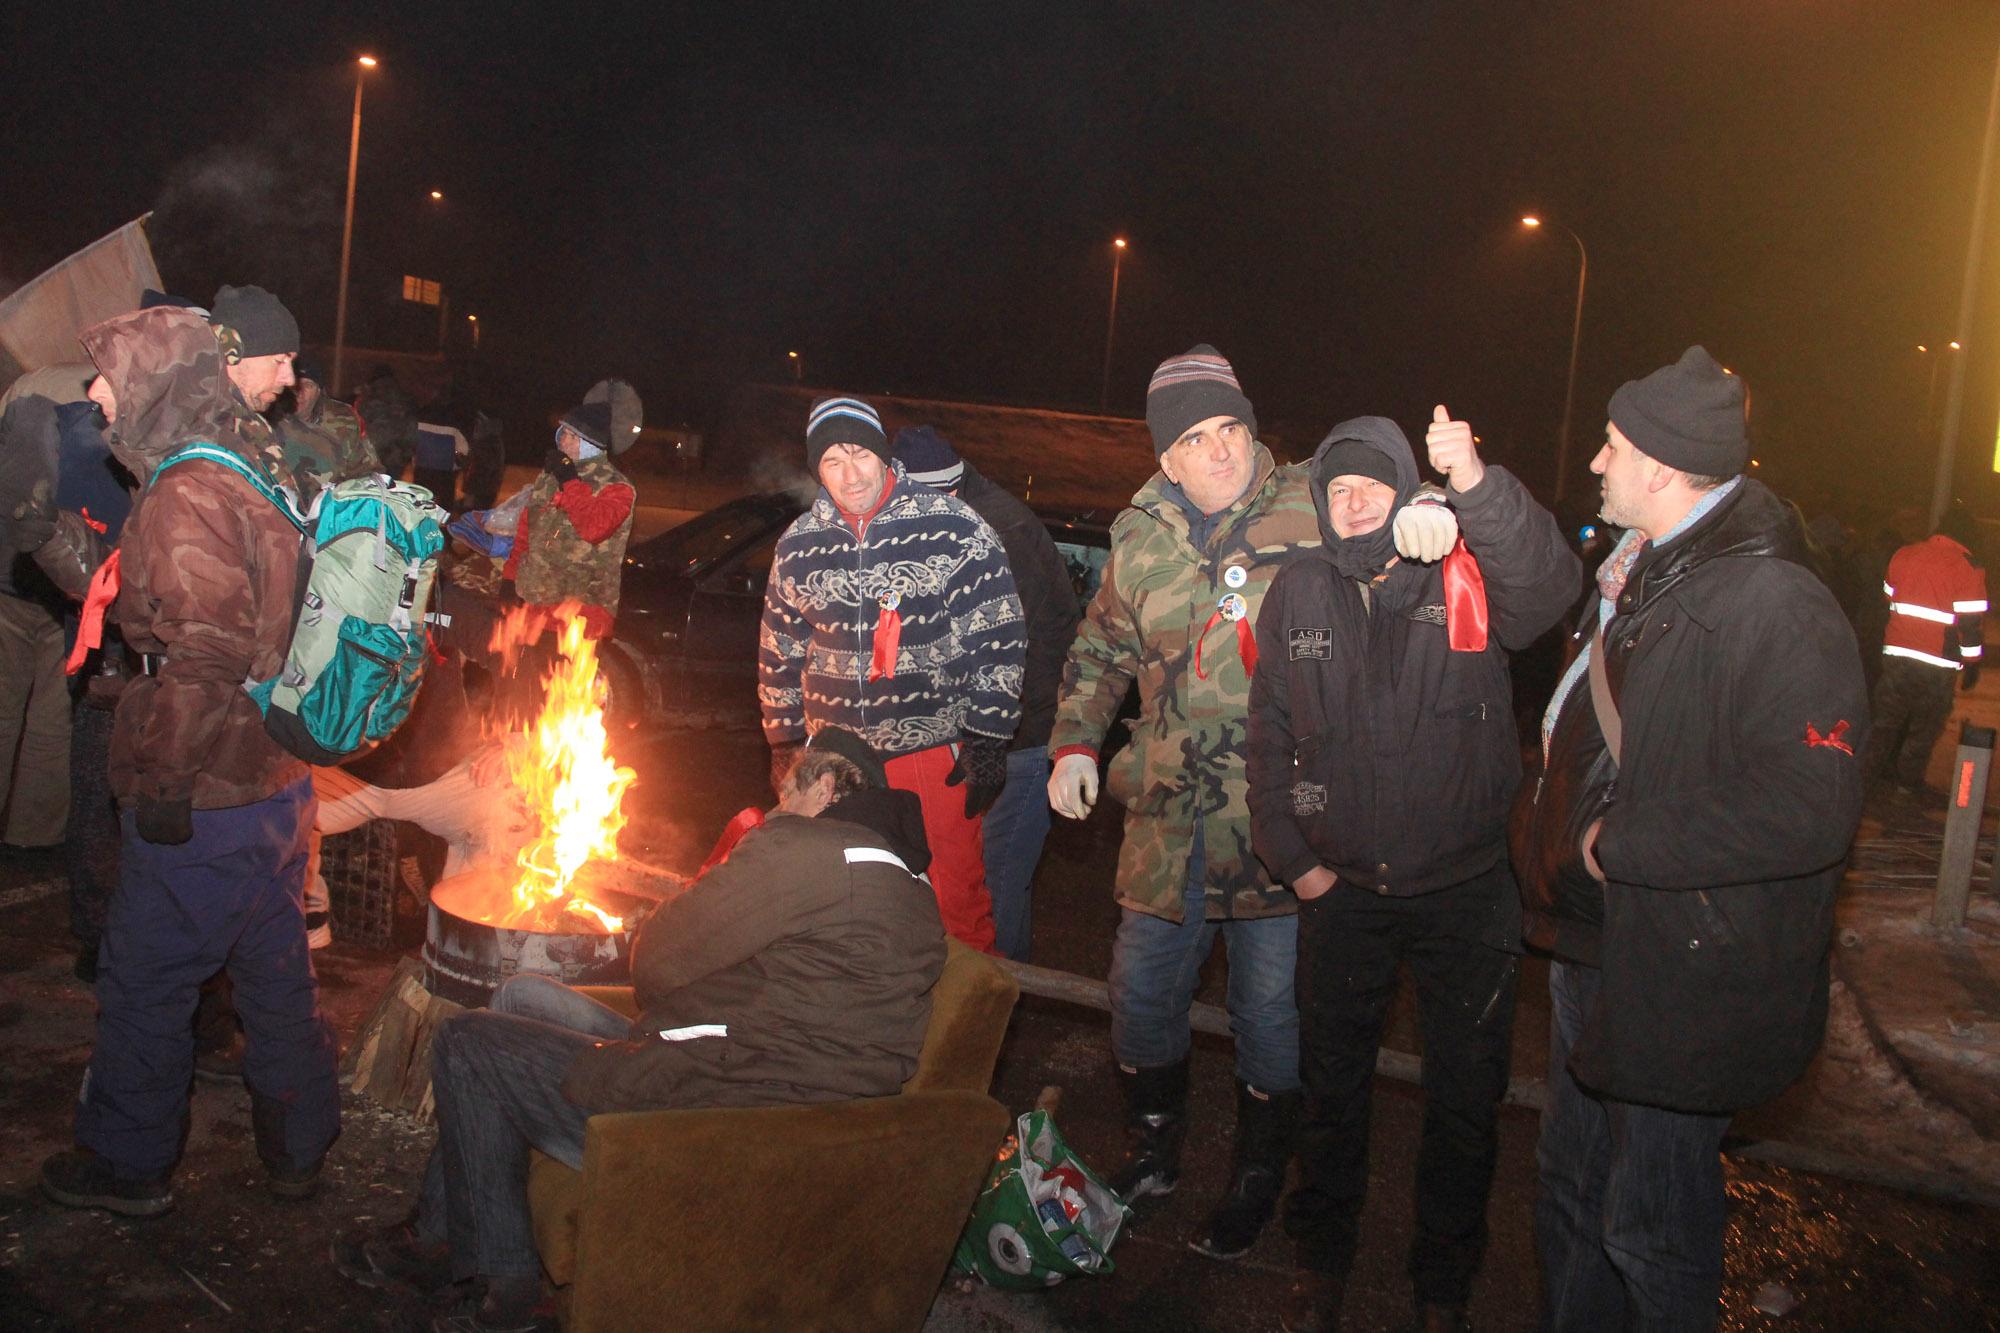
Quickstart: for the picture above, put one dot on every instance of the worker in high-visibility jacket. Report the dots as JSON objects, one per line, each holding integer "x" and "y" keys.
{"x": 1937, "y": 600}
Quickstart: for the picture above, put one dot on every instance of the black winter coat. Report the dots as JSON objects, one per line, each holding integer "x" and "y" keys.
{"x": 1727, "y": 827}
{"x": 1374, "y": 749}
{"x": 1048, "y": 600}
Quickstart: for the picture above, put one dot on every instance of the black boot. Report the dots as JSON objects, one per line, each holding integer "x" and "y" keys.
{"x": 1155, "y": 1128}
{"x": 1266, "y": 1124}
{"x": 285, "y": 1178}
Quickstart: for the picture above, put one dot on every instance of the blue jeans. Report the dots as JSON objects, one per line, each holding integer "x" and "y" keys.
{"x": 230, "y": 896}
{"x": 1630, "y": 1213}
{"x": 1016, "y": 827}
{"x": 1156, "y": 967}
{"x": 498, "y": 1075}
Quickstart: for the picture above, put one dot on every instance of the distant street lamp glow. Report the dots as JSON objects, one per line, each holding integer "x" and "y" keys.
{"x": 1530, "y": 220}
{"x": 1119, "y": 242}
{"x": 362, "y": 66}
{"x": 437, "y": 194}
{"x": 1533, "y": 222}
{"x": 1111, "y": 324}
{"x": 1954, "y": 345}
{"x": 798, "y": 367}
{"x": 367, "y": 62}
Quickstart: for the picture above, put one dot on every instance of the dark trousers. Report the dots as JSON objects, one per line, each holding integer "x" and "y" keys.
{"x": 1908, "y": 709}
{"x": 231, "y": 896}
{"x": 498, "y": 1075}
{"x": 1630, "y": 1212}
{"x": 1350, "y": 943}
{"x": 90, "y": 843}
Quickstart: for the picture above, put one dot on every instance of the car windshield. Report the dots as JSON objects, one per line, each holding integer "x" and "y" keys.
{"x": 703, "y": 540}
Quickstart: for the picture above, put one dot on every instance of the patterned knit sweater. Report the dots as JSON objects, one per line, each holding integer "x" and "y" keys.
{"x": 957, "y": 666}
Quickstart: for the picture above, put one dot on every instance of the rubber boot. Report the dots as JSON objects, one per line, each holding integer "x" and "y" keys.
{"x": 1155, "y": 1128}
{"x": 1266, "y": 1125}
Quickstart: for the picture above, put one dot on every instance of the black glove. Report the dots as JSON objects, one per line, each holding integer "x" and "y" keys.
{"x": 783, "y": 756}
{"x": 1969, "y": 678}
{"x": 559, "y": 465}
{"x": 165, "y": 823}
{"x": 31, "y": 532}
{"x": 982, "y": 767}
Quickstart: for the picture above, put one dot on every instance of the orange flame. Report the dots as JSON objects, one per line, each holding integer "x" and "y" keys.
{"x": 564, "y": 771}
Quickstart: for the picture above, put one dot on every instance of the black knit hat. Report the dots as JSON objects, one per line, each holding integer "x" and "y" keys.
{"x": 259, "y": 319}
{"x": 1688, "y": 415}
{"x": 1355, "y": 458}
{"x": 843, "y": 420}
{"x": 854, "y": 750}
{"x": 1192, "y": 387}
{"x": 592, "y": 421}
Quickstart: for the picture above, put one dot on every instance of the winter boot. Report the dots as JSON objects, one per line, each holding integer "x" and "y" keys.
{"x": 79, "y": 1178}
{"x": 1266, "y": 1124}
{"x": 283, "y": 1177}
{"x": 1155, "y": 1128}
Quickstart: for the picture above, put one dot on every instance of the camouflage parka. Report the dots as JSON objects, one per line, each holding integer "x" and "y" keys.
{"x": 571, "y": 541}
{"x": 326, "y": 445}
{"x": 1186, "y": 758}
{"x": 209, "y": 569}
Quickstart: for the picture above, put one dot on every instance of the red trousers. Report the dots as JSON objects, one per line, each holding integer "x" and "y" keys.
{"x": 958, "y": 853}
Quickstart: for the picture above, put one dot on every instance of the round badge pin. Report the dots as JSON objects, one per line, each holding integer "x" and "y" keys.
{"x": 1234, "y": 607}
{"x": 1236, "y": 576}
{"x": 891, "y": 600}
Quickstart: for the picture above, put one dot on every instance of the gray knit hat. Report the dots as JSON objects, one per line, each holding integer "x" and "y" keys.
{"x": 259, "y": 319}
{"x": 1688, "y": 415}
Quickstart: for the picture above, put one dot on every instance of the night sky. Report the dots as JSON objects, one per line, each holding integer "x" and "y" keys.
{"x": 921, "y": 199}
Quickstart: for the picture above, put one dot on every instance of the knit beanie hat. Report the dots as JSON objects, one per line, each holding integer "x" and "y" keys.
{"x": 628, "y": 413}
{"x": 1688, "y": 415}
{"x": 592, "y": 421}
{"x": 843, "y": 421}
{"x": 259, "y": 319}
{"x": 854, "y": 750}
{"x": 1192, "y": 387}
{"x": 1355, "y": 458}
{"x": 929, "y": 458}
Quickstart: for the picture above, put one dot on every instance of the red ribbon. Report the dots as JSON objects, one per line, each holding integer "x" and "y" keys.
{"x": 1246, "y": 645}
{"x": 1464, "y": 601}
{"x": 97, "y": 600}
{"x": 732, "y": 833}
{"x": 888, "y": 641}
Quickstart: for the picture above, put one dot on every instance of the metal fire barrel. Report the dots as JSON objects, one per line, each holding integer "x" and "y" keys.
{"x": 466, "y": 958}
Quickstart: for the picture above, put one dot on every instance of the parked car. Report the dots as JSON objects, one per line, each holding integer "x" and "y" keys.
{"x": 685, "y": 647}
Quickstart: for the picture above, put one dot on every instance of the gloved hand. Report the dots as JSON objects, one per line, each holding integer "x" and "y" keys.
{"x": 559, "y": 465}
{"x": 1425, "y": 530}
{"x": 783, "y": 755}
{"x": 982, "y": 767}
{"x": 1968, "y": 679}
{"x": 1073, "y": 785}
{"x": 165, "y": 823}
{"x": 30, "y": 532}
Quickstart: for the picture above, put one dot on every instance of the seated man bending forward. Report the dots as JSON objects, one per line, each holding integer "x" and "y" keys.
{"x": 805, "y": 962}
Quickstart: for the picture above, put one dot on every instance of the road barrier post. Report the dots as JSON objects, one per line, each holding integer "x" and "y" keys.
{"x": 1967, "y": 805}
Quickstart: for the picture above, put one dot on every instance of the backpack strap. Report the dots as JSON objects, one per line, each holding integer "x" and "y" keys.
{"x": 215, "y": 453}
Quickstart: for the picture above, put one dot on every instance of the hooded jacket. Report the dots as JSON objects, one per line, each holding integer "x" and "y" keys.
{"x": 1048, "y": 599}
{"x": 1181, "y": 778}
{"x": 1375, "y": 749}
{"x": 1726, "y": 827}
{"x": 570, "y": 542}
{"x": 209, "y": 570}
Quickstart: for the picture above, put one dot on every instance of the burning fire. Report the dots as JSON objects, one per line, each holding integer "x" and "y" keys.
{"x": 564, "y": 772}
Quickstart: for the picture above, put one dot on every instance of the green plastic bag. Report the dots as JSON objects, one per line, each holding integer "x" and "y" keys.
{"x": 1043, "y": 1215}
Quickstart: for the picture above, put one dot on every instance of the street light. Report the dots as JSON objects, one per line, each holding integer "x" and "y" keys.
{"x": 473, "y": 320}
{"x": 437, "y": 196}
{"x": 361, "y": 66}
{"x": 1532, "y": 222}
{"x": 798, "y": 367}
{"x": 1111, "y": 325}
{"x": 1930, "y": 398}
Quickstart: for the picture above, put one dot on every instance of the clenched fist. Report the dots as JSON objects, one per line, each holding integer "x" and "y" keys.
{"x": 1453, "y": 451}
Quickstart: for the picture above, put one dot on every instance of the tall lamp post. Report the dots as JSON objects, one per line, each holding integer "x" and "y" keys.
{"x": 1954, "y": 398}
{"x": 1930, "y": 398}
{"x": 361, "y": 67}
{"x": 1111, "y": 324}
{"x": 1532, "y": 222}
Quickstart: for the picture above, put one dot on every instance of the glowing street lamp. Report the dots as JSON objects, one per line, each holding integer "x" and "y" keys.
{"x": 473, "y": 320}
{"x": 1111, "y": 325}
{"x": 798, "y": 367}
{"x": 1533, "y": 223}
{"x": 361, "y": 66}
{"x": 437, "y": 196}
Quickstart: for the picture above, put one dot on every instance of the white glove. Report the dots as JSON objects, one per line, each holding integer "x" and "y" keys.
{"x": 1073, "y": 785}
{"x": 1425, "y": 532}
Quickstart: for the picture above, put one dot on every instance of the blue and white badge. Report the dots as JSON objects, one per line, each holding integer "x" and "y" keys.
{"x": 891, "y": 600}
{"x": 1236, "y": 576}
{"x": 1233, "y": 607}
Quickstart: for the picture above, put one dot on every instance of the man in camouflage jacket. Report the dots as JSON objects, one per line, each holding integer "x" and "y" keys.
{"x": 214, "y": 813}
{"x": 323, "y": 438}
{"x": 1190, "y": 562}
{"x": 569, "y": 544}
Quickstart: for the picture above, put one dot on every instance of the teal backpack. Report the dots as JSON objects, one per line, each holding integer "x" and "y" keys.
{"x": 366, "y": 572}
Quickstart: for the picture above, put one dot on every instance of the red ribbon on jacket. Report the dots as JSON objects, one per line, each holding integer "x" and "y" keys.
{"x": 732, "y": 833}
{"x": 888, "y": 639}
{"x": 1246, "y": 644}
{"x": 1464, "y": 601}
{"x": 103, "y": 591}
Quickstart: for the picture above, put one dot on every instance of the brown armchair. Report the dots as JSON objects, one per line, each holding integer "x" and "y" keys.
{"x": 837, "y": 1215}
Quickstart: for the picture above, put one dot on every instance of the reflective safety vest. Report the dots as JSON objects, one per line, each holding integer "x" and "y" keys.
{"x": 1937, "y": 598}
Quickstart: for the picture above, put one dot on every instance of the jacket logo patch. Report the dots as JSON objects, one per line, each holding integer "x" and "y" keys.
{"x": 1308, "y": 798}
{"x": 1833, "y": 740}
{"x": 1312, "y": 643}
{"x": 1429, "y": 615}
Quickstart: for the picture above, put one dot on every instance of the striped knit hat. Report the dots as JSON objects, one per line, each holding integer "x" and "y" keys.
{"x": 843, "y": 421}
{"x": 1194, "y": 386}
{"x": 929, "y": 458}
